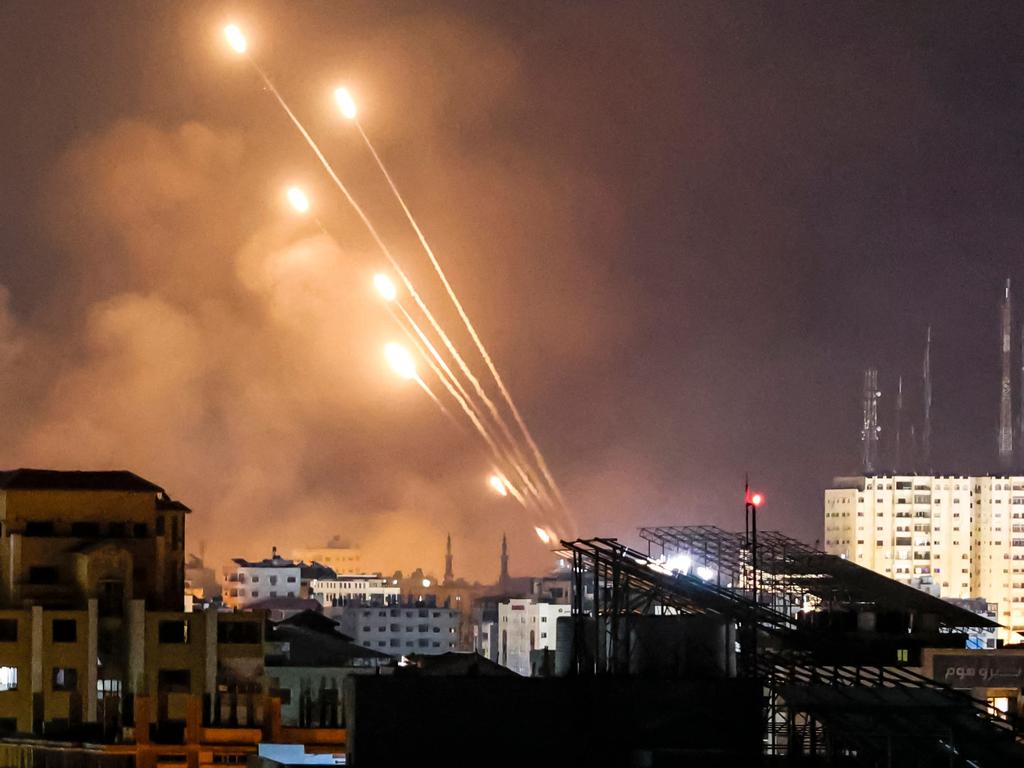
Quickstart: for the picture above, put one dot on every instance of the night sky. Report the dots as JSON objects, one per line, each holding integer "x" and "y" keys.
{"x": 682, "y": 229}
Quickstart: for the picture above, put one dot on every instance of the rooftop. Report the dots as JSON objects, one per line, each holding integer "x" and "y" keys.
{"x": 270, "y": 562}
{"x": 62, "y": 480}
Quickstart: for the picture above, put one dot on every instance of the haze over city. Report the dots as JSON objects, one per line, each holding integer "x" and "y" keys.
{"x": 682, "y": 231}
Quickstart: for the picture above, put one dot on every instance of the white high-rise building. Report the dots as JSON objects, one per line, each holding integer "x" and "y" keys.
{"x": 965, "y": 534}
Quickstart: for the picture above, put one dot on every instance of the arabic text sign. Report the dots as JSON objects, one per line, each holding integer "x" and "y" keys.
{"x": 980, "y": 671}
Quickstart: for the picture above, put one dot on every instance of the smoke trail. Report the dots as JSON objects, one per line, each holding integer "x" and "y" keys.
{"x": 514, "y": 458}
{"x": 541, "y": 463}
{"x": 454, "y": 389}
{"x": 444, "y": 374}
{"x": 366, "y": 221}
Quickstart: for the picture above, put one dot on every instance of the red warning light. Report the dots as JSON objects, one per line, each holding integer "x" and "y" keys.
{"x": 756, "y": 499}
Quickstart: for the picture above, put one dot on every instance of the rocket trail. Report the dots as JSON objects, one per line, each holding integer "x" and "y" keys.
{"x": 457, "y": 392}
{"x": 365, "y": 219}
{"x": 541, "y": 463}
{"x": 448, "y": 378}
{"x": 423, "y": 385}
{"x": 405, "y": 280}
{"x": 429, "y": 353}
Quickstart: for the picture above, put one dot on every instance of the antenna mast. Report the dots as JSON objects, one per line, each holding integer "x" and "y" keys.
{"x": 898, "y": 457}
{"x": 870, "y": 429}
{"x": 926, "y": 427}
{"x": 1005, "y": 401}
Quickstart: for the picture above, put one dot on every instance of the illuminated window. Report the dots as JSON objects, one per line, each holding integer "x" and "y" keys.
{"x": 8, "y": 678}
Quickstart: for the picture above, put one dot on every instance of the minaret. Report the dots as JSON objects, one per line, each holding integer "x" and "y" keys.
{"x": 926, "y": 426}
{"x": 1005, "y": 399}
{"x": 449, "y": 574}
{"x": 504, "y": 577}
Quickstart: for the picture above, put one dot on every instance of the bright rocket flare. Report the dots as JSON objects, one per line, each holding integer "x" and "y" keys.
{"x": 497, "y": 482}
{"x": 298, "y": 200}
{"x": 345, "y": 103}
{"x": 543, "y": 535}
{"x": 235, "y": 38}
{"x": 400, "y": 360}
{"x": 385, "y": 287}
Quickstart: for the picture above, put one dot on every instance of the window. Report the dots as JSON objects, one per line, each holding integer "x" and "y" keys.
{"x": 85, "y": 530}
{"x": 8, "y": 678}
{"x": 174, "y": 681}
{"x": 105, "y": 688}
{"x": 39, "y": 528}
{"x": 42, "y": 574}
{"x": 65, "y": 630}
{"x": 255, "y": 593}
{"x": 239, "y": 632}
{"x": 116, "y": 530}
{"x": 65, "y": 679}
{"x": 291, "y": 579}
{"x": 160, "y": 526}
{"x": 140, "y": 530}
{"x": 273, "y": 580}
{"x": 111, "y": 598}
{"x": 8, "y": 630}
{"x": 173, "y": 631}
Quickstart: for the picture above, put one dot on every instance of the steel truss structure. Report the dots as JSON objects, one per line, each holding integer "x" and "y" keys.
{"x": 814, "y": 711}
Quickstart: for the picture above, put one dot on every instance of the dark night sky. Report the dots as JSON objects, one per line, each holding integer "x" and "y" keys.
{"x": 683, "y": 229}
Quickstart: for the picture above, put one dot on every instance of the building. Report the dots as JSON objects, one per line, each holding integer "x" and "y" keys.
{"x": 338, "y": 555}
{"x": 422, "y": 627}
{"x": 309, "y": 573}
{"x": 965, "y": 533}
{"x": 358, "y": 588}
{"x": 68, "y": 537}
{"x": 99, "y": 663}
{"x": 308, "y": 662}
{"x": 524, "y": 626}
{"x": 201, "y": 585}
{"x": 247, "y": 583}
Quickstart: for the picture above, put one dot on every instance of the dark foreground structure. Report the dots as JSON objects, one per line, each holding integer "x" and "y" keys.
{"x": 516, "y": 721}
{"x": 829, "y": 645}
{"x": 706, "y": 649}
